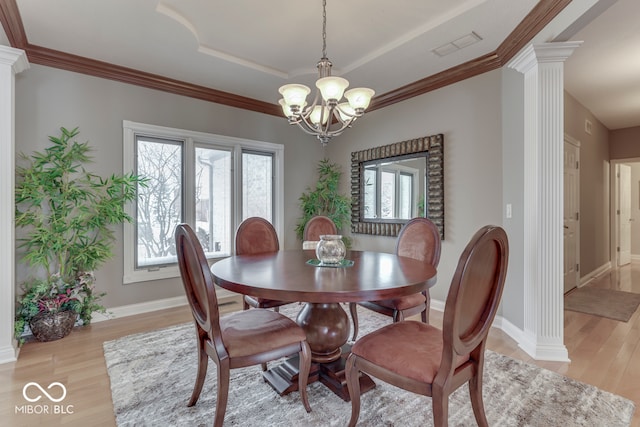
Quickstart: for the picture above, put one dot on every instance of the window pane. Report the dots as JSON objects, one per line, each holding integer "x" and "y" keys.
{"x": 213, "y": 200}
{"x": 388, "y": 194}
{"x": 404, "y": 204}
{"x": 257, "y": 185}
{"x": 370, "y": 192}
{"x": 160, "y": 202}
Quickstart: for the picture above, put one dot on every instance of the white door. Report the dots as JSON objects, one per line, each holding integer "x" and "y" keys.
{"x": 571, "y": 214}
{"x": 624, "y": 215}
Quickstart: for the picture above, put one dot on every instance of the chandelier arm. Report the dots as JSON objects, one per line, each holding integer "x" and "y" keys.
{"x": 302, "y": 124}
{"x": 308, "y": 126}
{"x": 309, "y": 108}
{"x": 345, "y": 113}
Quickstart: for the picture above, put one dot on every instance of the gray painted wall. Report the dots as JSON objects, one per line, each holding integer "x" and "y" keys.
{"x": 48, "y": 98}
{"x": 625, "y": 143}
{"x": 513, "y": 162}
{"x": 594, "y": 185}
{"x": 469, "y": 115}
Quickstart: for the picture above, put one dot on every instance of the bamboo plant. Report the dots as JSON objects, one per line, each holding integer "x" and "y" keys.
{"x": 67, "y": 214}
{"x": 325, "y": 199}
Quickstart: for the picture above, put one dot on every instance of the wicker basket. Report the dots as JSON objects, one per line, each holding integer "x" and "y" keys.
{"x": 53, "y": 326}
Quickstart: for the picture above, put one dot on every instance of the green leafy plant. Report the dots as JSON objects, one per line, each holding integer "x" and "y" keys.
{"x": 67, "y": 213}
{"x": 325, "y": 199}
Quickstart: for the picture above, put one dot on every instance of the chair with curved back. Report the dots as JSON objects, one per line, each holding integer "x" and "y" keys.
{"x": 316, "y": 227}
{"x": 419, "y": 239}
{"x": 237, "y": 340}
{"x": 256, "y": 235}
{"x": 433, "y": 362}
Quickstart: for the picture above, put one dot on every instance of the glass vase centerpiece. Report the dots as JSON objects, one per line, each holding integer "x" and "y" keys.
{"x": 330, "y": 249}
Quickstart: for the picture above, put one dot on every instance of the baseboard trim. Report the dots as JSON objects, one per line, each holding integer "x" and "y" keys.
{"x": 8, "y": 354}
{"x": 595, "y": 273}
{"x": 139, "y": 308}
{"x": 155, "y": 305}
{"x": 548, "y": 353}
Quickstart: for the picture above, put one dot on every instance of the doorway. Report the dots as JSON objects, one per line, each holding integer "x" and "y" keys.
{"x": 625, "y": 208}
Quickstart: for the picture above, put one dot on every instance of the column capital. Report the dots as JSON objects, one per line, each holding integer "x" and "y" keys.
{"x": 15, "y": 58}
{"x": 535, "y": 54}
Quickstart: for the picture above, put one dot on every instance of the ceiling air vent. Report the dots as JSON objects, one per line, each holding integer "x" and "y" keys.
{"x": 457, "y": 44}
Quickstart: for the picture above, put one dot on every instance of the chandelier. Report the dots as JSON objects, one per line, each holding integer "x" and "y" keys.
{"x": 328, "y": 115}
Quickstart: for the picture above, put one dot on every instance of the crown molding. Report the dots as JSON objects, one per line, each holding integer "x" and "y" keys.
{"x": 79, "y": 64}
{"x": 537, "y": 19}
{"x": 541, "y": 15}
{"x": 12, "y": 23}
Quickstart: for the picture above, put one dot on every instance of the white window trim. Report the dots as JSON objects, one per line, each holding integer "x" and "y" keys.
{"x": 130, "y": 129}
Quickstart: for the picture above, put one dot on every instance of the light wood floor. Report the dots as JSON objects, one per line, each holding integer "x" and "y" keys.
{"x": 603, "y": 352}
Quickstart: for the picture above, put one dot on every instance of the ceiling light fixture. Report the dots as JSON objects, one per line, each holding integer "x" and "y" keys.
{"x": 328, "y": 115}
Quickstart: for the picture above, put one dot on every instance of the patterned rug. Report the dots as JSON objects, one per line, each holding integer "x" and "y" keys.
{"x": 152, "y": 376}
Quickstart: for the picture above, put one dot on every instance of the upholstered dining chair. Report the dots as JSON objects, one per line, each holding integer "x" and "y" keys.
{"x": 237, "y": 340}
{"x": 256, "y": 235}
{"x": 423, "y": 359}
{"x": 316, "y": 227}
{"x": 419, "y": 238}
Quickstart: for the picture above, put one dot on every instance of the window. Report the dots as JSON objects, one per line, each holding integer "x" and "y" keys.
{"x": 211, "y": 182}
{"x": 389, "y": 191}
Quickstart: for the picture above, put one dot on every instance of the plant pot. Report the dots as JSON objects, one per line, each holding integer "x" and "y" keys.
{"x": 53, "y": 326}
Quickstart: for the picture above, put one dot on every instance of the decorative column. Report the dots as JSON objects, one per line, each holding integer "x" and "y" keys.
{"x": 12, "y": 61}
{"x": 543, "y": 69}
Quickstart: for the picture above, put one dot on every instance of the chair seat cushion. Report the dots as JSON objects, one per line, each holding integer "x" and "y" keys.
{"x": 403, "y": 303}
{"x": 256, "y": 331}
{"x": 409, "y": 348}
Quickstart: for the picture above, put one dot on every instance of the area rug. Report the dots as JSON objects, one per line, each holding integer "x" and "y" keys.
{"x": 609, "y": 303}
{"x": 152, "y": 376}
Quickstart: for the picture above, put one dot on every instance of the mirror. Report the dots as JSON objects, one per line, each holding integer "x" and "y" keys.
{"x": 396, "y": 182}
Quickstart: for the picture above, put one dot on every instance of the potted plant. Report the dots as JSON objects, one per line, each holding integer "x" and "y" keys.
{"x": 52, "y": 306}
{"x": 67, "y": 214}
{"x": 325, "y": 199}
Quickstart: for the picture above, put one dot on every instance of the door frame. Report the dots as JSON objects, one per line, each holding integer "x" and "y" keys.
{"x": 613, "y": 205}
{"x": 568, "y": 139}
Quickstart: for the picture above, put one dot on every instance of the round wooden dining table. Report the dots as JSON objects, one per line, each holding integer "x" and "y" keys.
{"x": 293, "y": 276}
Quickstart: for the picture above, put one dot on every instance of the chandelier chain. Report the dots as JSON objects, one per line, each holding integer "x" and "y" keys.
{"x": 324, "y": 28}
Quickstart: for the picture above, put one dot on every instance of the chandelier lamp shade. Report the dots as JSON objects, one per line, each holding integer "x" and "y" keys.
{"x": 334, "y": 108}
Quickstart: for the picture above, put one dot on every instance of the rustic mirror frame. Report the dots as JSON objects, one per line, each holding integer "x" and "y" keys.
{"x": 433, "y": 146}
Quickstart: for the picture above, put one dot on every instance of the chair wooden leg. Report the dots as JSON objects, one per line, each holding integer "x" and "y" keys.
{"x": 353, "y": 308}
{"x": 440, "y": 402}
{"x": 475, "y": 391}
{"x": 303, "y": 375}
{"x": 353, "y": 385}
{"x": 203, "y": 362}
{"x": 223, "y": 393}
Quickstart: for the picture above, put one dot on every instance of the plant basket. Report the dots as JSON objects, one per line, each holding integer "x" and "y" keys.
{"x": 53, "y": 326}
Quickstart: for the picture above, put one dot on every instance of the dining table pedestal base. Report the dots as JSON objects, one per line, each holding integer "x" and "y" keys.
{"x": 283, "y": 378}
